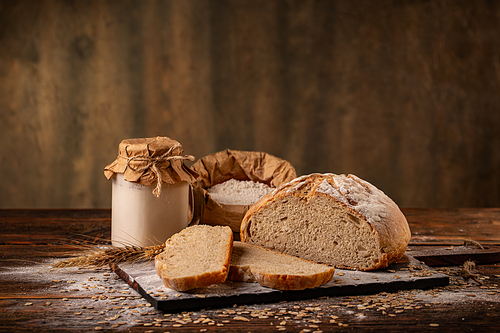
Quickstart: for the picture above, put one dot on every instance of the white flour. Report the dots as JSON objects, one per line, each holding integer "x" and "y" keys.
{"x": 238, "y": 192}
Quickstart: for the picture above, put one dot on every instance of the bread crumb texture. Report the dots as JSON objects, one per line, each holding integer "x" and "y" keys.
{"x": 338, "y": 220}
{"x": 198, "y": 256}
{"x": 250, "y": 263}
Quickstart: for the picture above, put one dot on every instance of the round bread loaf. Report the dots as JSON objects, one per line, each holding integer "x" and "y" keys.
{"x": 337, "y": 220}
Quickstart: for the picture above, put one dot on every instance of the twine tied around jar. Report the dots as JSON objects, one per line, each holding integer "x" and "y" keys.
{"x": 153, "y": 161}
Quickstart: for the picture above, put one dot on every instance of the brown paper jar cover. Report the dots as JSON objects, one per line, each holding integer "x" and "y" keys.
{"x": 240, "y": 165}
{"x": 147, "y": 160}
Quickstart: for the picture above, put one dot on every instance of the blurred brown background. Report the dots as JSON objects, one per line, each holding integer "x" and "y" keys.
{"x": 405, "y": 94}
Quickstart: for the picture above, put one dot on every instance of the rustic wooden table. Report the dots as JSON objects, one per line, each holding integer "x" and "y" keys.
{"x": 34, "y": 298}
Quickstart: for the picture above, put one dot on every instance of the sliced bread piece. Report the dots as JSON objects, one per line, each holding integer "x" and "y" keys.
{"x": 198, "y": 256}
{"x": 250, "y": 263}
{"x": 338, "y": 220}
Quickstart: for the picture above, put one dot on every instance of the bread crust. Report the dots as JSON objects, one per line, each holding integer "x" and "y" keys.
{"x": 291, "y": 282}
{"x": 190, "y": 282}
{"x": 377, "y": 209}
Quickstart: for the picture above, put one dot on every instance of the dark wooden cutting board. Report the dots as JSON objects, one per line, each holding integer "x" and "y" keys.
{"x": 457, "y": 255}
{"x": 408, "y": 273}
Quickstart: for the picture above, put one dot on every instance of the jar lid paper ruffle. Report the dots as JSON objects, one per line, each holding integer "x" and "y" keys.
{"x": 149, "y": 161}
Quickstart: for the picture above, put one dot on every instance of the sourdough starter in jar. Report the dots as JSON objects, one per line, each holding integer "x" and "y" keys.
{"x": 140, "y": 218}
{"x": 150, "y": 191}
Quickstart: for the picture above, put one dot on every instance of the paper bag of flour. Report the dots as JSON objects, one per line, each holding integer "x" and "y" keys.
{"x": 229, "y": 164}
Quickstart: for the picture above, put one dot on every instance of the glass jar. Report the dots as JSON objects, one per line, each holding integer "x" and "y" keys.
{"x": 151, "y": 191}
{"x": 140, "y": 218}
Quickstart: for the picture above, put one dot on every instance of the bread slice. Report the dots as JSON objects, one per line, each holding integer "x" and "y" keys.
{"x": 198, "y": 256}
{"x": 250, "y": 263}
{"x": 333, "y": 219}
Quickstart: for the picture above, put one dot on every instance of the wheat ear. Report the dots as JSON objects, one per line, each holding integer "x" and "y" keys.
{"x": 111, "y": 255}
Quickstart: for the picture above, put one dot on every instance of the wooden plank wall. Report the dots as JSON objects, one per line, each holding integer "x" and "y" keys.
{"x": 405, "y": 94}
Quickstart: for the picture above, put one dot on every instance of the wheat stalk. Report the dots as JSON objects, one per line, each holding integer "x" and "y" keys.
{"x": 111, "y": 255}
{"x": 466, "y": 272}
